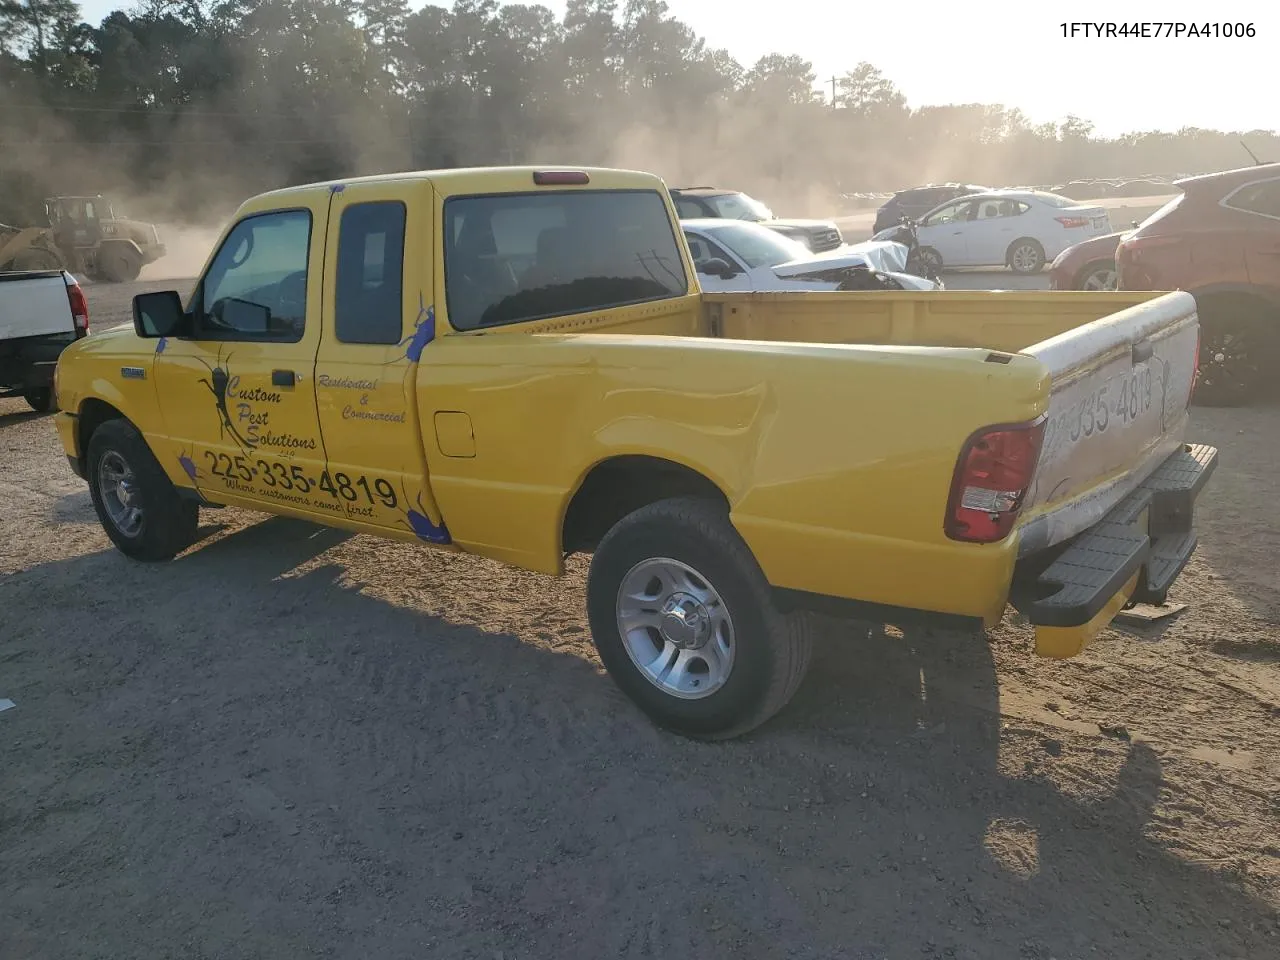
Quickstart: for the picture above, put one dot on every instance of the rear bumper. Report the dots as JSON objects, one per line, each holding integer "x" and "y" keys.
{"x": 1134, "y": 554}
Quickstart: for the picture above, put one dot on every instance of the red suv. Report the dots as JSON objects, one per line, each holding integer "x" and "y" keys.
{"x": 1220, "y": 241}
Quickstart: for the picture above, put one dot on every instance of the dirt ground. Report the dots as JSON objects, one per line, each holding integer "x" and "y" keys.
{"x": 291, "y": 742}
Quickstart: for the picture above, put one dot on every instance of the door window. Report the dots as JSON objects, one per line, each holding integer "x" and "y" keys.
{"x": 369, "y": 294}
{"x": 256, "y": 286}
{"x": 704, "y": 250}
{"x": 951, "y": 213}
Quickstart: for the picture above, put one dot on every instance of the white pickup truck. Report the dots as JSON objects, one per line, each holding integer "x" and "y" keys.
{"x": 41, "y": 313}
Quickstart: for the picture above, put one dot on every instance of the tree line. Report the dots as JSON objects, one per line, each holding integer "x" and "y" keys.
{"x": 184, "y": 106}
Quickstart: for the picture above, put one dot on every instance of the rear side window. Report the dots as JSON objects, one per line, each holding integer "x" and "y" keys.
{"x": 1260, "y": 198}
{"x": 688, "y": 209}
{"x": 515, "y": 257}
{"x": 369, "y": 299}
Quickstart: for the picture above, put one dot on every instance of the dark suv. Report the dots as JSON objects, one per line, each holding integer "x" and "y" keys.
{"x": 693, "y": 203}
{"x": 1220, "y": 241}
{"x": 918, "y": 201}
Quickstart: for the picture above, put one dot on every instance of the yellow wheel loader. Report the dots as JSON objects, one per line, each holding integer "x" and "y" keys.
{"x": 84, "y": 236}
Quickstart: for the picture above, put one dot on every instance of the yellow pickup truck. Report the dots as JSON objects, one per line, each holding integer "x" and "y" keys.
{"x": 519, "y": 363}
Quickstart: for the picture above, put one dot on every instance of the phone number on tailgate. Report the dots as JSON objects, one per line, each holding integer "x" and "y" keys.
{"x": 1122, "y": 401}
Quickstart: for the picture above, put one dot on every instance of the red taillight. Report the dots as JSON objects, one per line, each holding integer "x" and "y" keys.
{"x": 79, "y": 308}
{"x": 991, "y": 480}
{"x": 1073, "y": 221}
{"x": 548, "y": 178}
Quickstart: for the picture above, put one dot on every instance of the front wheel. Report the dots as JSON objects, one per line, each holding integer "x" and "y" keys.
{"x": 926, "y": 262}
{"x": 137, "y": 504}
{"x": 1097, "y": 276}
{"x": 1026, "y": 256}
{"x": 681, "y": 615}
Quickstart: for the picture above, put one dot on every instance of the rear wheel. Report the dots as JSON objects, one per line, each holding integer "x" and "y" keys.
{"x": 137, "y": 504}
{"x": 119, "y": 266}
{"x": 41, "y": 399}
{"x": 1237, "y": 347}
{"x": 681, "y": 615}
{"x": 1026, "y": 256}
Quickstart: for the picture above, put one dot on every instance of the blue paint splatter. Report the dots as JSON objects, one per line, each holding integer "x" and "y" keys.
{"x": 337, "y": 187}
{"x": 424, "y": 331}
{"x": 161, "y": 344}
{"x": 189, "y": 467}
{"x": 422, "y": 526}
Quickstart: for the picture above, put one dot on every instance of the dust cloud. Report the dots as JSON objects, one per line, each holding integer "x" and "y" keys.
{"x": 187, "y": 249}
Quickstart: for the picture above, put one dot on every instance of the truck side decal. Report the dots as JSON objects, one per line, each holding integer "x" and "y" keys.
{"x": 424, "y": 331}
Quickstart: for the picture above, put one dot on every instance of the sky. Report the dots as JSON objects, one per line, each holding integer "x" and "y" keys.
{"x": 1014, "y": 53}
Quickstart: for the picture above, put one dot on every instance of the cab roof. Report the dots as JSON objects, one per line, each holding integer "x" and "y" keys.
{"x": 451, "y": 174}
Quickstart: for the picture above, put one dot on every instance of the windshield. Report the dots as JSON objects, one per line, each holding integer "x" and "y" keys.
{"x": 757, "y": 246}
{"x": 739, "y": 206}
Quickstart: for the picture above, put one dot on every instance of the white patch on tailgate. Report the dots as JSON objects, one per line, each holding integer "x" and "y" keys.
{"x": 1111, "y": 420}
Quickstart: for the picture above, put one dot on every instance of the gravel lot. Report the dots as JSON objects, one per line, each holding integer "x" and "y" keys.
{"x": 292, "y": 742}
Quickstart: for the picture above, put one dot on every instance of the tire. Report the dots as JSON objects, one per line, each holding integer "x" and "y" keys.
{"x": 167, "y": 524}
{"x": 41, "y": 400}
{"x": 119, "y": 266}
{"x": 1097, "y": 276}
{"x": 1237, "y": 350}
{"x": 1025, "y": 255}
{"x": 769, "y": 652}
{"x": 928, "y": 260}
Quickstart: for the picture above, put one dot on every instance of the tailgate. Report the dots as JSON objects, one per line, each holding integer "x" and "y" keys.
{"x": 1117, "y": 409}
{"x": 34, "y": 304}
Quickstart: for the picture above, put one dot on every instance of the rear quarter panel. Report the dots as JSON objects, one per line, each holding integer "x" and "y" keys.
{"x": 836, "y": 460}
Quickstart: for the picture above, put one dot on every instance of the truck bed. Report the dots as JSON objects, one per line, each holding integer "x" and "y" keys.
{"x": 1006, "y": 320}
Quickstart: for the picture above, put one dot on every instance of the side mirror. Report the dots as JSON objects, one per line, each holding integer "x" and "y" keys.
{"x": 717, "y": 268}
{"x": 159, "y": 314}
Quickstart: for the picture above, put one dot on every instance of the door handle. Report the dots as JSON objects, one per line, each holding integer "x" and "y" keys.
{"x": 283, "y": 378}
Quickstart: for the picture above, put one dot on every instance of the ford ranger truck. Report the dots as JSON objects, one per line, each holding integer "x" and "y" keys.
{"x": 519, "y": 363}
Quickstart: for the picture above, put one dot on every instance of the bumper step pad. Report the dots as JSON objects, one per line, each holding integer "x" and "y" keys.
{"x": 1097, "y": 564}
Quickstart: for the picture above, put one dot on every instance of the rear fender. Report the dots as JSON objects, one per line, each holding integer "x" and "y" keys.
{"x": 108, "y": 246}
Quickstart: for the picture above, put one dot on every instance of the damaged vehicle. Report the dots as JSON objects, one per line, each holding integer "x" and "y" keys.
{"x": 696, "y": 203}
{"x": 733, "y": 255}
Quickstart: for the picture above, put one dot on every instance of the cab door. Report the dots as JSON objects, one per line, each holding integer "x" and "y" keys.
{"x": 378, "y": 319}
{"x": 239, "y": 399}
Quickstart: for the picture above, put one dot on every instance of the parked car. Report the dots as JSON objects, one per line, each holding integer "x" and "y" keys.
{"x": 1021, "y": 229}
{"x": 492, "y": 363}
{"x": 1088, "y": 265}
{"x": 733, "y": 255}
{"x": 695, "y": 203}
{"x": 1220, "y": 240}
{"x": 917, "y": 201}
{"x": 42, "y": 312}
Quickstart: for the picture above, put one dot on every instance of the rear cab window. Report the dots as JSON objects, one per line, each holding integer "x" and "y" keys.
{"x": 369, "y": 288}
{"x": 516, "y": 257}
